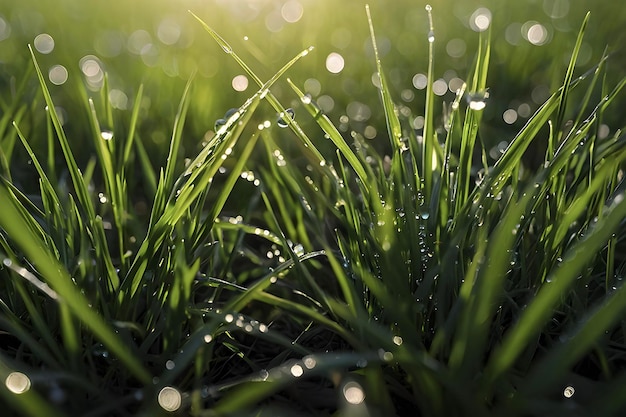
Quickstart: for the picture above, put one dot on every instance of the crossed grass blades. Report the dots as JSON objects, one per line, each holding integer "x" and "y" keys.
{"x": 414, "y": 283}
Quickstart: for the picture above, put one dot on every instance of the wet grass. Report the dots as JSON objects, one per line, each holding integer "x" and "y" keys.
{"x": 262, "y": 277}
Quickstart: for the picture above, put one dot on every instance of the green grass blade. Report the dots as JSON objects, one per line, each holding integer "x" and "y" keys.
{"x": 177, "y": 134}
{"x": 570, "y": 72}
{"x": 393, "y": 123}
{"x": 13, "y": 222}
{"x": 542, "y": 306}
{"x": 590, "y": 329}
{"x": 77, "y": 180}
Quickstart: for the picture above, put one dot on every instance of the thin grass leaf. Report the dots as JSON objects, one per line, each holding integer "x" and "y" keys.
{"x": 12, "y": 221}
{"x": 77, "y": 180}
{"x": 590, "y": 329}
{"x": 542, "y": 306}
{"x": 570, "y": 72}
{"x": 393, "y": 123}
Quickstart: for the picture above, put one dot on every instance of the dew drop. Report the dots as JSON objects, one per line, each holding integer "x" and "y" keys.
{"x": 106, "y": 135}
{"x": 170, "y": 365}
{"x": 306, "y": 99}
{"x": 296, "y": 370}
{"x": 17, "y": 383}
{"x": 569, "y": 391}
{"x": 170, "y": 399}
{"x": 309, "y": 362}
{"x": 353, "y": 393}
{"x": 431, "y": 36}
{"x": 284, "y": 118}
{"x": 478, "y": 100}
{"x": 219, "y": 123}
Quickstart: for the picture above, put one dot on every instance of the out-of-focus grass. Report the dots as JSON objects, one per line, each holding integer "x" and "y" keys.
{"x": 156, "y": 43}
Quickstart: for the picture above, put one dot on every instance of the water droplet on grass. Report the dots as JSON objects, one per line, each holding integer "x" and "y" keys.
{"x": 569, "y": 391}
{"x": 306, "y": 99}
{"x": 284, "y": 118}
{"x": 106, "y": 135}
{"x": 431, "y": 36}
{"x": 218, "y": 124}
{"x": 477, "y": 100}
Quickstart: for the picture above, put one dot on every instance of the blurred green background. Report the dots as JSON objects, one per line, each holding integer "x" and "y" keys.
{"x": 158, "y": 43}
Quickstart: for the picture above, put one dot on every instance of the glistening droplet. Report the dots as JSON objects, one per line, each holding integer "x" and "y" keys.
{"x": 285, "y": 118}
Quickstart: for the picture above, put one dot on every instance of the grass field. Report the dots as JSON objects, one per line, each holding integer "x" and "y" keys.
{"x": 420, "y": 216}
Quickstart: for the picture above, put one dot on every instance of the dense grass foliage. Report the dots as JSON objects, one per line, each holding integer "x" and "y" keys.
{"x": 322, "y": 275}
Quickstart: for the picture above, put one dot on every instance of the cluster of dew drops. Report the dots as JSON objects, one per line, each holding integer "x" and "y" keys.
{"x": 283, "y": 119}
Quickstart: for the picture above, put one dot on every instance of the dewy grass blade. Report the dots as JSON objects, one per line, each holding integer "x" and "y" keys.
{"x": 77, "y": 180}
{"x": 551, "y": 368}
{"x": 132, "y": 130}
{"x": 569, "y": 73}
{"x": 265, "y": 87}
{"x": 549, "y": 296}
{"x": 329, "y": 128}
{"x": 473, "y": 116}
{"x": 429, "y": 134}
{"x": 177, "y": 134}
{"x": 393, "y": 124}
{"x": 13, "y": 222}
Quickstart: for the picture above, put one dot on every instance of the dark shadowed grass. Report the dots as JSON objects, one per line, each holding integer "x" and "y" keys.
{"x": 417, "y": 282}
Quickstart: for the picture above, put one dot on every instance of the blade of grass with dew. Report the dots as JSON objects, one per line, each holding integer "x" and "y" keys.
{"x": 569, "y": 74}
{"x": 77, "y": 181}
{"x": 267, "y": 94}
{"x": 125, "y": 159}
{"x": 177, "y": 134}
{"x": 105, "y": 151}
{"x": 393, "y": 123}
{"x": 555, "y": 364}
{"x": 193, "y": 183}
{"x": 429, "y": 133}
{"x": 46, "y": 338}
{"x": 472, "y": 120}
{"x": 166, "y": 186}
{"x": 329, "y": 128}
{"x": 12, "y": 221}
{"x": 541, "y": 308}
{"x": 147, "y": 169}
{"x": 229, "y": 184}
{"x": 248, "y": 394}
{"x": 469, "y": 345}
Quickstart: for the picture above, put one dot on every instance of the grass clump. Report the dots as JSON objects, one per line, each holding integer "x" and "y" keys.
{"x": 428, "y": 281}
